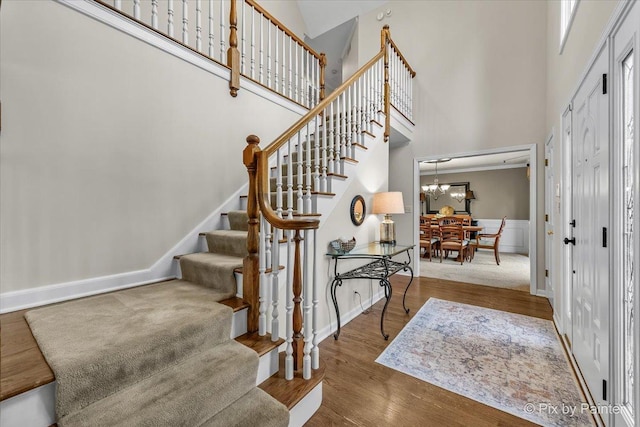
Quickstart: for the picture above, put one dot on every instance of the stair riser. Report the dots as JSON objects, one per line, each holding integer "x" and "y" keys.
{"x": 188, "y": 393}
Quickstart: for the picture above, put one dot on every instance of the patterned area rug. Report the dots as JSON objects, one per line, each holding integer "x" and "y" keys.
{"x": 511, "y": 362}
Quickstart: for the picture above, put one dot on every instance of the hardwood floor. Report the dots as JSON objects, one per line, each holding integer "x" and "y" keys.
{"x": 359, "y": 392}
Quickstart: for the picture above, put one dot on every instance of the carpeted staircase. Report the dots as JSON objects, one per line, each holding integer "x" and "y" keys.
{"x": 159, "y": 355}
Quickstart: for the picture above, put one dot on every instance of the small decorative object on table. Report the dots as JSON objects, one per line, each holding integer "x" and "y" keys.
{"x": 343, "y": 245}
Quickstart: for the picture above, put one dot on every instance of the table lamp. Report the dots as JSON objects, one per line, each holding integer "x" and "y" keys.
{"x": 388, "y": 203}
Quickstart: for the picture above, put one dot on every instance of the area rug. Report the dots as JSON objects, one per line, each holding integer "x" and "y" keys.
{"x": 512, "y": 273}
{"x": 511, "y": 362}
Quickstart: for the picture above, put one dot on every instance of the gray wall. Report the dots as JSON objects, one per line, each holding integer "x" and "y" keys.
{"x": 502, "y": 192}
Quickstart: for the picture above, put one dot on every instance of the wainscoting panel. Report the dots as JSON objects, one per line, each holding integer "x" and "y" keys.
{"x": 515, "y": 236}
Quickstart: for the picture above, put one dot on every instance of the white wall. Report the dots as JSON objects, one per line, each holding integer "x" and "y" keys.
{"x": 111, "y": 150}
{"x": 480, "y": 80}
{"x": 564, "y": 72}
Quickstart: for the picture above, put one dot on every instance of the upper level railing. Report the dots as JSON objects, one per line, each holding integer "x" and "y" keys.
{"x": 401, "y": 81}
{"x": 285, "y": 175}
{"x": 251, "y": 43}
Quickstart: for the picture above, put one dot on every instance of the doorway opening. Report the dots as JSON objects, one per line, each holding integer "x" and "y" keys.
{"x": 481, "y": 187}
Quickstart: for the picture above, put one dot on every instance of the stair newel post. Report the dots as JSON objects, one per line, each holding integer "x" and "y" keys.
{"x": 233, "y": 54}
{"x": 323, "y": 66}
{"x": 387, "y": 88}
{"x": 315, "y": 350}
{"x": 298, "y": 338}
{"x": 307, "y": 300}
{"x": 250, "y": 273}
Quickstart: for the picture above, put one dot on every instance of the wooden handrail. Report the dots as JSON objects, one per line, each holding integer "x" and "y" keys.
{"x": 289, "y": 133}
{"x": 402, "y": 58}
{"x": 280, "y": 25}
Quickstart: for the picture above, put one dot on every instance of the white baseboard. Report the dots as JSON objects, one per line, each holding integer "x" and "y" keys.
{"x": 347, "y": 317}
{"x": 164, "y": 268}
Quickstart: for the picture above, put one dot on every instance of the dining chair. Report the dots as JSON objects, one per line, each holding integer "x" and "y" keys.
{"x": 428, "y": 240}
{"x": 490, "y": 241}
{"x": 452, "y": 238}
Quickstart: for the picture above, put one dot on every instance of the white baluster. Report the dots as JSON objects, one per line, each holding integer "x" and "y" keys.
{"x": 304, "y": 70}
{"x": 170, "y": 18}
{"x": 283, "y": 85}
{"x": 290, "y": 75}
{"x": 288, "y": 360}
{"x": 347, "y": 114}
{"x": 117, "y": 4}
{"x": 261, "y": 73}
{"x": 269, "y": 54}
{"x": 307, "y": 301}
{"x": 276, "y": 67}
{"x": 316, "y": 160}
{"x": 343, "y": 125}
{"x": 323, "y": 181}
{"x": 268, "y": 244}
{"x": 330, "y": 129}
{"x": 300, "y": 176}
{"x": 223, "y": 31}
{"x": 136, "y": 9}
{"x": 289, "y": 180}
{"x": 262, "y": 310}
{"x": 315, "y": 351}
{"x": 356, "y": 109}
{"x": 212, "y": 50}
{"x": 253, "y": 42}
{"x": 296, "y": 66}
{"x": 243, "y": 67}
{"x": 199, "y": 25}
{"x": 154, "y": 14}
{"x": 307, "y": 199}
{"x": 185, "y": 22}
{"x": 279, "y": 185}
{"x": 275, "y": 270}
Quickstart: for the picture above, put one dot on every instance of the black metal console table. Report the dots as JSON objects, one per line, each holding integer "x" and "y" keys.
{"x": 380, "y": 268}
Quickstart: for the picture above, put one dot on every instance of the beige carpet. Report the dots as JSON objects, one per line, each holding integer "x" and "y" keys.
{"x": 512, "y": 273}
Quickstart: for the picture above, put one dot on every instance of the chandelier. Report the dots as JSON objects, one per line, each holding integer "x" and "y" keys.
{"x": 436, "y": 189}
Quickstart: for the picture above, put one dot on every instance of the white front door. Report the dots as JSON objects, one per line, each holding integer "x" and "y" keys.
{"x": 591, "y": 204}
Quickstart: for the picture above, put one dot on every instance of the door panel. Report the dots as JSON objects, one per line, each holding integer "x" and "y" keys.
{"x": 590, "y": 200}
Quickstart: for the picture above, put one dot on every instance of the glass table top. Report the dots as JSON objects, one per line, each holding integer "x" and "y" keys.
{"x": 371, "y": 249}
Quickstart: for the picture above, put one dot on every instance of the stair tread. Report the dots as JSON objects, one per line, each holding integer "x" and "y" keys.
{"x": 186, "y": 393}
{"x": 267, "y": 271}
{"x": 290, "y": 392}
{"x": 235, "y": 303}
{"x": 260, "y": 344}
{"x": 73, "y": 357}
{"x": 338, "y": 175}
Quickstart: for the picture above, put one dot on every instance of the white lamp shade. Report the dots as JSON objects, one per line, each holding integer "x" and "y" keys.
{"x": 388, "y": 203}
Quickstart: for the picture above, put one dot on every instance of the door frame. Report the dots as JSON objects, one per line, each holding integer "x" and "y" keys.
{"x": 533, "y": 205}
{"x": 549, "y": 219}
